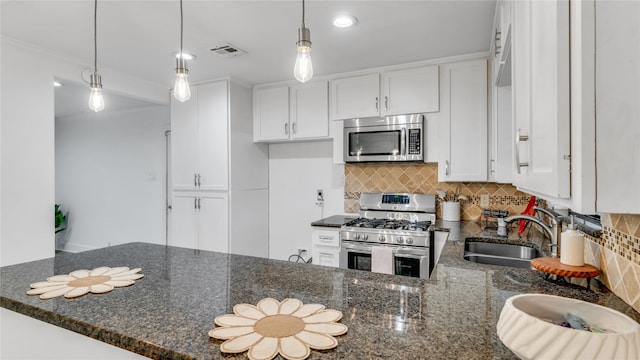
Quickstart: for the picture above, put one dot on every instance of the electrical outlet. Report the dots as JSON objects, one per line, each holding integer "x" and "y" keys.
{"x": 319, "y": 195}
{"x": 484, "y": 201}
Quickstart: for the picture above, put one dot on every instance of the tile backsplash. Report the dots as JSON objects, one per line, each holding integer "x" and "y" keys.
{"x": 423, "y": 179}
{"x": 616, "y": 253}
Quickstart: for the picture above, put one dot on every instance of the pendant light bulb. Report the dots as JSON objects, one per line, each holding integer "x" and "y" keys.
{"x": 96, "y": 99}
{"x": 181, "y": 90}
{"x": 303, "y": 70}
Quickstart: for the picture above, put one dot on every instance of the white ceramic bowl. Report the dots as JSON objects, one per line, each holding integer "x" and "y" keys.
{"x": 522, "y": 329}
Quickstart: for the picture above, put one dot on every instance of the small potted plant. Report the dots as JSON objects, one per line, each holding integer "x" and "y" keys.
{"x": 451, "y": 204}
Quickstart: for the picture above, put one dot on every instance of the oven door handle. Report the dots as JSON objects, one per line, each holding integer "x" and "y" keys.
{"x": 356, "y": 247}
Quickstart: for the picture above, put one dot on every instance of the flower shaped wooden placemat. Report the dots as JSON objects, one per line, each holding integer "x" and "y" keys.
{"x": 288, "y": 328}
{"x": 77, "y": 283}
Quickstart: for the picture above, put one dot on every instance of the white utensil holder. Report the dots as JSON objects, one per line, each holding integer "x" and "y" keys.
{"x": 451, "y": 211}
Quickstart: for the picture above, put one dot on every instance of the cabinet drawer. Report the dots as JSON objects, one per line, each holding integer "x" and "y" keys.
{"x": 326, "y": 256}
{"x": 326, "y": 238}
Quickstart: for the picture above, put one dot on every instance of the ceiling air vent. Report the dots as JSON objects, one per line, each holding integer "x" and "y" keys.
{"x": 228, "y": 51}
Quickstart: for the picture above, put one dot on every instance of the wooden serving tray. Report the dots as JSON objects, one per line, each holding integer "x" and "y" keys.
{"x": 555, "y": 267}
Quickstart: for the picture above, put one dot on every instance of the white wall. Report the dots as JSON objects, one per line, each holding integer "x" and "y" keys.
{"x": 27, "y": 154}
{"x": 296, "y": 171}
{"x": 110, "y": 174}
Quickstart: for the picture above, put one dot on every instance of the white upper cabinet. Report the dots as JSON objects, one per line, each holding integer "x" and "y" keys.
{"x": 199, "y": 130}
{"x": 617, "y": 93}
{"x": 355, "y": 97}
{"x": 541, "y": 100}
{"x": 410, "y": 91}
{"x": 214, "y": 129}
{"x": 309, "y": 110}
{"x": 296, "y": 112}
{"x": 463, "y": 122}
{"x": 271, "y": 114}
{"x": 185, "y": 141}
{"x": 395, "y": 92}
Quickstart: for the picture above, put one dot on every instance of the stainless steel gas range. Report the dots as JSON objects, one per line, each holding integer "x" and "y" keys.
{"x": 394, "y": 234}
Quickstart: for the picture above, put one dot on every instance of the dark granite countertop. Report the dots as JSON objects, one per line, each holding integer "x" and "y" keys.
{"x": 168, "y": 313}
{"x": 333, "y": 221}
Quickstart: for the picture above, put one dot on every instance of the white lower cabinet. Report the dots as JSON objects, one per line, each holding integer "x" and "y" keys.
{"x": 200, "y": 220}
{"x": 325, "y": 246}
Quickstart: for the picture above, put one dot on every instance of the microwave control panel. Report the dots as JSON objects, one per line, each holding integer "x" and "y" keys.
{"x": 414, "y": 142}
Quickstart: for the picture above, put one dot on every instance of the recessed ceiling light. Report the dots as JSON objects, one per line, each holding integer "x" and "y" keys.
{"x": 344, "y": 21}
{"x": 56, "y": 83}
{"x": 185, "y": 55}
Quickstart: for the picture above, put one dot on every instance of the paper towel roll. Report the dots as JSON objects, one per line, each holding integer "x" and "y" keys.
{"x": 382, "y": 259}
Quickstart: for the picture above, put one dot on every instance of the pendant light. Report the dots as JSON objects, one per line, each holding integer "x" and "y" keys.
{"x": 96, "y": 100}
{"x": 181, "y": 89}
{"x": 303, "y": 70}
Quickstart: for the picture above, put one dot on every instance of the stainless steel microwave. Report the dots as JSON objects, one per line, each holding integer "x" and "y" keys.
{"x": 392, "y": 138}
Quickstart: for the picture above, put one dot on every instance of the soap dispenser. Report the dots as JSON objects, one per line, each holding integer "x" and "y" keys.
{"x": 572, "y": 246}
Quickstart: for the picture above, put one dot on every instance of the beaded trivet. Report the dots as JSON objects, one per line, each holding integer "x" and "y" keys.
{"x": 77, "y": 283}
{"x": 288, "y": 328}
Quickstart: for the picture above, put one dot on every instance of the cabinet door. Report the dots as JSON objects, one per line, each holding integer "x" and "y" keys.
{"x": 463, "y": 140}
{"x": 214, "y": 222}
{"x": 214, "y": 130}
{"x": 271, "y": 114}
{"x": 185, "y": 142}
{"x": 410, "y": 91}
{"x": 355, "y": 97}
{"x": 541, "y": 97}
{"x": 184, "y": 222}
{"x": 310, "y": 110}
{"x": 326, "y": 256}
{"x": 618, "y": 106}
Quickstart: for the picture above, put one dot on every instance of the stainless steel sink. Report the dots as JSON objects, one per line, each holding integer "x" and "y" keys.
{"x": 499, "y": 254}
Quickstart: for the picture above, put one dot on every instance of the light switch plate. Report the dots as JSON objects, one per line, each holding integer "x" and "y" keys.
{"x": 484, "y": 201}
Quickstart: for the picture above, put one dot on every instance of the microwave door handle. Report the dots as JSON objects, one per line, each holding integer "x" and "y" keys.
{"x": 403, "y": 141}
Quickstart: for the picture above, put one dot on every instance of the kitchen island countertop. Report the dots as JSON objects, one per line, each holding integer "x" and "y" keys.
{"x": 168, "y": 313}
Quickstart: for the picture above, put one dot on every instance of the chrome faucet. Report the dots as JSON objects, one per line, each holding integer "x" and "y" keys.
{"x": 553, "y": 230}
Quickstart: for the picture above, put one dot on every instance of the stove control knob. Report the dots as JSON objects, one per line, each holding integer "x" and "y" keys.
{"x": 357, "y": 236}
{"x": 409, "y": 241}
{"x": 365, "y": 237}
{"x": 382, "y": 238}
{"x": 400, "y": 240}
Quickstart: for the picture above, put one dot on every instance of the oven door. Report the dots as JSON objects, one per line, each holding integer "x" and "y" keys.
{"x": 355, "y": 256}
{"x": 408, "y": 261}
{"x": 411, "y": 262}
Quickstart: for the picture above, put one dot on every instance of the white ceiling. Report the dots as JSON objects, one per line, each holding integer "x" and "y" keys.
{"x": 139, "y": 36}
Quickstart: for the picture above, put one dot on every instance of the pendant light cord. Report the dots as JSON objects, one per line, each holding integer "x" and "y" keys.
{"x": 181, "y": 30}
{"x": 302, "y": 13}
{"x": 95, "y": 37}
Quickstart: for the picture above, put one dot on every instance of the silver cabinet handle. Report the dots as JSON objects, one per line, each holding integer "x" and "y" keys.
{"x": 386, "y": 103}
{"x": 195, "y": 180}
{"x": 520, "y": 138}
{"x": 325, "y": 238}
{"x": 286, "y": 128}
{"x": 293, "y": 128}
{"x": 446, "y": 167}
{"x": 198, "y": 180}
{"x": 195, "y": 203}
{"x": 376, "y": 103}
{"x": 199, "y": 200}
